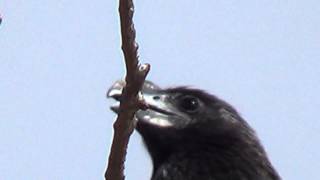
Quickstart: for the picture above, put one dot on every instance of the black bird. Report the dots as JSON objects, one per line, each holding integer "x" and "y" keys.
{"x": 192, "y": 135}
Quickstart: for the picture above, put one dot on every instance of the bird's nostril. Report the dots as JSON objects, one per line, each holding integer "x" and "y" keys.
{"x": 156, "y": 97}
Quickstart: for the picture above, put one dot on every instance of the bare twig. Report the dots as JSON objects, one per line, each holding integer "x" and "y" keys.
{"x": 136, "y": 74}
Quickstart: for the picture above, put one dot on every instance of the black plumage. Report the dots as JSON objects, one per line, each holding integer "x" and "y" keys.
{"x": 192, "y": 135}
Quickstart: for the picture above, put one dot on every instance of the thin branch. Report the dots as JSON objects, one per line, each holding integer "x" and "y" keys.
{"x": 136, "y": 74}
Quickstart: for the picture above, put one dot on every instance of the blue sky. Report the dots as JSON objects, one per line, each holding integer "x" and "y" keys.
{"x": 59, "y": 57}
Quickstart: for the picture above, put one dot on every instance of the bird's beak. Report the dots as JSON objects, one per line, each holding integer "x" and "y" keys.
{"x": 159, "y": 112}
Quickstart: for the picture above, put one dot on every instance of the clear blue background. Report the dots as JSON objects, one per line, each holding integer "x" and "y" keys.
{"x": 57, "y": 58}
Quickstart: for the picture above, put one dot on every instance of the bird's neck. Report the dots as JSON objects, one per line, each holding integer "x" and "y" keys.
{"x": 210, "y": 157}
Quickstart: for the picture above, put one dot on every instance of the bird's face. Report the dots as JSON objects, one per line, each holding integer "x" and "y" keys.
{"x": 175, "y": 112}
{"x": 167, "y": 108}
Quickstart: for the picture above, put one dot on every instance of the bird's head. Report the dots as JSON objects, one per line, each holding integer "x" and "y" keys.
{"x": 181, "y": 118}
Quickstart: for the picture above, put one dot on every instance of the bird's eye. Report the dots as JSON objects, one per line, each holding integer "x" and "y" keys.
{"x": 189, "y": 104}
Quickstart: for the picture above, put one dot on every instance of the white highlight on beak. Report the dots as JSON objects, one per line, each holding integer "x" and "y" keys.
{"x": 114, "y": 92}
{"x": 116, "y": 104}
{"x": 160, "y": 122}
